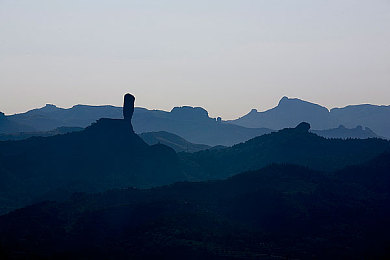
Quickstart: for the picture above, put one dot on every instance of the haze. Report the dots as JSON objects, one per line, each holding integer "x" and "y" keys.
{"x": 226, "y": 56}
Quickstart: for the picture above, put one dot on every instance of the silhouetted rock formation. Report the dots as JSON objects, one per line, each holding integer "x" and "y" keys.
{"x": 128, "y": 107}
{"x": 303, "y": 127}
{"x": 107, "y": 154}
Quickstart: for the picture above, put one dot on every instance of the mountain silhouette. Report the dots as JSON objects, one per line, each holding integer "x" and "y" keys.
{"x": 374, "y": 117}
{"x": 108, "y": 154}
{"x": 291, "y": 111}
{"x": 281, "y": 211}
{"x": 191, "y": 123}
{"x": 291, "y": 145}
{"x": 288, "y": 113}
{"x": 105, "y": 155}
{"x": 194, "y": 124}
{"x": 50, "y": 117}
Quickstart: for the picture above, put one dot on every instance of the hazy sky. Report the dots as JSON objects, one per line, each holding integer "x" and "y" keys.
{"x": 226, "y": 56}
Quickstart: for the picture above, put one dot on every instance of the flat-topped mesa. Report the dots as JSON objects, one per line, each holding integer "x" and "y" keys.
{"x": 128, "y": 107}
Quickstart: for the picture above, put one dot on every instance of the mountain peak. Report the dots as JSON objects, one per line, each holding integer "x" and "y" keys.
{"x": 300, "y": 104}
{"x": 303, "y": 127}
{"x": 283, "y": 100}
{"x": 50, "y": 107}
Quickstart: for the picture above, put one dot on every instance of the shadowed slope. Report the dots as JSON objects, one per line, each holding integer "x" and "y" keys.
{"x": 105, "y": 155}
{"x": 290, "y": 145}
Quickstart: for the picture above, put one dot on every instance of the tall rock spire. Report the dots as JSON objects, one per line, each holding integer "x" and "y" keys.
{"x": 128, "y": 107}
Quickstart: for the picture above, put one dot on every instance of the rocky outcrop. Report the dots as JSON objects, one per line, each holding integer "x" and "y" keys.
{"x": 128, "y": 107}
{"x": 303, "y": 127}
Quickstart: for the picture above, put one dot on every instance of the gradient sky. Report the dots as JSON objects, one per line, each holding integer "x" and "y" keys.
{"x": 226, "y": 56}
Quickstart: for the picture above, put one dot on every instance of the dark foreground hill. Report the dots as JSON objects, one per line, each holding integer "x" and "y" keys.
{"x": 291, "y": 145}
{"x": 281, "y": 211}
{"x": 105, "y": 155}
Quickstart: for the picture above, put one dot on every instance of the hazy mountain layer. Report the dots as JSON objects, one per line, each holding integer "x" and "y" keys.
{"x": 9, "y": 126}
{"x": 291, "y": 111}
{"x": 193, "y": 124}
{"x": 290, "y": 145}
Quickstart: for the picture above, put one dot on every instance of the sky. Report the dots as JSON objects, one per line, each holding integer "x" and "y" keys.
{"x": 227, "y": 56}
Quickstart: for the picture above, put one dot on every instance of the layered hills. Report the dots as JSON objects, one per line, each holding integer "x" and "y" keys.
{"x": 291, "y": 111}
{"x": 291, "y": 145}
{"x": 108, "y": 154}
{"x": 106, "y": 192}
{"x": 191, "y": 123}
{"x": 281, "y": 211}
{"x": 195, "y": 125}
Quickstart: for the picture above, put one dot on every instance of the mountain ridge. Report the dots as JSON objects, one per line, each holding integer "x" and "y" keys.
{"x": 291, "y": 111}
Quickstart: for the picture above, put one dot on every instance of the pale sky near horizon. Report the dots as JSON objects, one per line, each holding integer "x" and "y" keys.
{"x": 227, "y": 56}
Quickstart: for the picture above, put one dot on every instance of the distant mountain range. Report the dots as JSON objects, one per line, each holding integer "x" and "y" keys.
{"x": 191, "y": 123}
{"x": 195, "y": 125}
{"x": 291, "y": 111}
